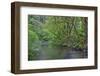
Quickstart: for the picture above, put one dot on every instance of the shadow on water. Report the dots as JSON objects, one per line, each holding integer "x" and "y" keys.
{"x": 47, "y": 53}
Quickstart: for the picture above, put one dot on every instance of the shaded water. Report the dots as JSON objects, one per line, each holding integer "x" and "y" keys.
{"x": 47, "y": 53}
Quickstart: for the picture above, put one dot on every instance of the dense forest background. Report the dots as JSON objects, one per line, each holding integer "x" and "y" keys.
{"x": 51, "y": 37}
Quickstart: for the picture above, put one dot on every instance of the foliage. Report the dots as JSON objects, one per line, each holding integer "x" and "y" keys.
{"x": 56, "y": 31}
{"x": 67, "y": 31}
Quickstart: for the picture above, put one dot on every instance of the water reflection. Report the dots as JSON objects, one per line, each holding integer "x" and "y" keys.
{"x": 46, "y": 53}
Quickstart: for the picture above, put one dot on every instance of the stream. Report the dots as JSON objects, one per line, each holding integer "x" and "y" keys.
{"x": 46, "y": 53}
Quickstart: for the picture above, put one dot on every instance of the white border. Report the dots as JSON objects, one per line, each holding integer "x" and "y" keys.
{"x": 25, "y": 64}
